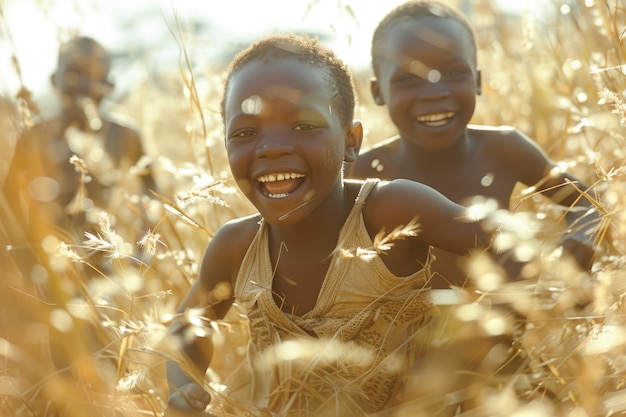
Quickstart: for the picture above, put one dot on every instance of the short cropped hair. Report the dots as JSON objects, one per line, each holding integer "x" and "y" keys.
{"x": 86, "y": 46}
{"x": 305, "y": 49}
{"x": 413, "y": 10}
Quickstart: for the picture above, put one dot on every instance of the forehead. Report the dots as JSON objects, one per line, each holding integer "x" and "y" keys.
{"x": 428, "y": 33}
{"x": 84, "y": 56}
{"x": 284, "y": 79}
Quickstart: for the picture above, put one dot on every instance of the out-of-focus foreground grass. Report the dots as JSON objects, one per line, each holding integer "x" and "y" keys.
{"x": 83, "y": 337}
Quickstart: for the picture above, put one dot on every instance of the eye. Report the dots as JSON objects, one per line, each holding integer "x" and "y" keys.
{"x": 406, "y": 78}
{"x": 304, "y": 126}
{"x": 457, "y": 73}
{"x": 242, "y": 134}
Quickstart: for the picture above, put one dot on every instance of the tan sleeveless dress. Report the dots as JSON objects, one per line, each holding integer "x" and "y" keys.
{"x": 348, "y": 354}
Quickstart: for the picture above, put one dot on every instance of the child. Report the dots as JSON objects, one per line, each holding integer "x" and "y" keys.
{"x": 312, "y": 269}
{"x": 109, "y": 148}
{"x": 425, "y": 71}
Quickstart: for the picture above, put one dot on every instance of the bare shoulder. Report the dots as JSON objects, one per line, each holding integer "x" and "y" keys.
{"x": 220, "y": 265}
{"x": 122, "y": 120}
{"x": 123, "y": 132}
{"x": 498, "y": 135}
{"x": 505, "y": 142}
{"x": 227, "y": 249}
{"x": 492, "y": 129}
{"x": 391, "y": 193}
{"x": 369, "y": 159}
{"x": 122, "y": 127}
{"x": 515, "y": 152}
{"x": 397, "y": 202}
{"x": 123, "y": 139}
{"x": 237, "y": 234}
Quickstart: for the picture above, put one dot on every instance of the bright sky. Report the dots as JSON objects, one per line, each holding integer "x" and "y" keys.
{"x": 34, "y": 26}
{"x": 30, "y": 29}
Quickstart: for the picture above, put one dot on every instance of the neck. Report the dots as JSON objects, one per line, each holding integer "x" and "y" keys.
{"x": 322, "y": 224}
{"x": 82, "y": 114}
{"x": 450, "y": 157}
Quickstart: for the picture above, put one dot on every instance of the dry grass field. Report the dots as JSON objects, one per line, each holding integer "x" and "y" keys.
{"x": 83, "y": 321}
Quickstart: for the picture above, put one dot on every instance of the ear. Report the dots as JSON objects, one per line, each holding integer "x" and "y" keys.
{"x": 375, "y": 90}
{"x": 53, "y": 79}
{"x": 353, "y": 142}
{"x": 479, "y": 82}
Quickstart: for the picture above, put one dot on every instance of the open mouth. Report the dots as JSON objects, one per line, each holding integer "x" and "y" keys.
{"x": 280, "y": 185}
{"x": 435, "y": 119}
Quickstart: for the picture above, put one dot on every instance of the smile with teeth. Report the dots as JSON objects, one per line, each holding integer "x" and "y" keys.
{"x": 435, "y": 119}
{"x": 281, "y": 184}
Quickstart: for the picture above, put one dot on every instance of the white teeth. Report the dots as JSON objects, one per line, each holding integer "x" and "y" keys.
{"x": 279, "y": 177}
{"x": 437, "y": 117}
{"x": 278, "y": 195}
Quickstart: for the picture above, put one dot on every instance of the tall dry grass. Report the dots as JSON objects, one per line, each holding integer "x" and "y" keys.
{"x": 83, "y": 321}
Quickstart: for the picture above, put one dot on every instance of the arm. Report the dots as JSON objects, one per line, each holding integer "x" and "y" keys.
{"x": 220, "y": 265}
{"x": 533, "y": 168}
{"x": 125, "y": 144}
{"x": 443, "y": 223}
{"x": 144, "y": 170}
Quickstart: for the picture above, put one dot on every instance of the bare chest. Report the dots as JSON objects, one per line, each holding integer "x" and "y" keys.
{"x": 462, "y": 181}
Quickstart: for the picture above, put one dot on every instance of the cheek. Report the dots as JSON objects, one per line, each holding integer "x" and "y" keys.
{"x": 333, "y": 157}
{"x": 468, "y": 94}
{"x": 466, "y": 88}
{"x": 236, "y": 161}
{"x": 239, "y": 174}
{"x": 239, "y": 162}
{"x": 399, "y": 98}
{"x": 244, "y": 185}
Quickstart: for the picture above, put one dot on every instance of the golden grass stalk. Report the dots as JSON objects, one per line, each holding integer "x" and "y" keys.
{"x": 83, "y": 324}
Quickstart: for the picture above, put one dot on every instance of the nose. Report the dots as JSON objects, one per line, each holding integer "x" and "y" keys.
{"x": 76, "y": 83}
{"x": 431, "y": 85}
{"x": 273, "y": 145}
{"x": 431, "y": 90}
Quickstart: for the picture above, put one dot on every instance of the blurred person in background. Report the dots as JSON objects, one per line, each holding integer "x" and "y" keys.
{"x": 64, "y": 172}
{"x": 81, "y": 160}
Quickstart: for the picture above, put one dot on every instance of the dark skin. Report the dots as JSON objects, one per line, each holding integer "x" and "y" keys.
{"x": 478, "y": 156}
{"x": 122, "y": 144}
{"x": 304, "y": 212}
{"x": 41, "y": 182}
{"x": 81, "y": 81}
{"x": 431, "y": 104}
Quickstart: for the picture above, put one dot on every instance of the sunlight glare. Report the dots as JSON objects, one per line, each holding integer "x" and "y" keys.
{"x": 434, "y": 76}
{"x": 252, "y": 105}
{"x": 61, "y": 320}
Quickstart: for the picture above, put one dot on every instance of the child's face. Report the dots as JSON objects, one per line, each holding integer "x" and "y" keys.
{"x": 427, "y": 77}
{"x": 285, "y": 142}
{"x": 82, "y": 75}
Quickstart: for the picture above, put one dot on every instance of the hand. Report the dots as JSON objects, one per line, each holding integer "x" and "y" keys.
{"x": 187, "y": 401}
